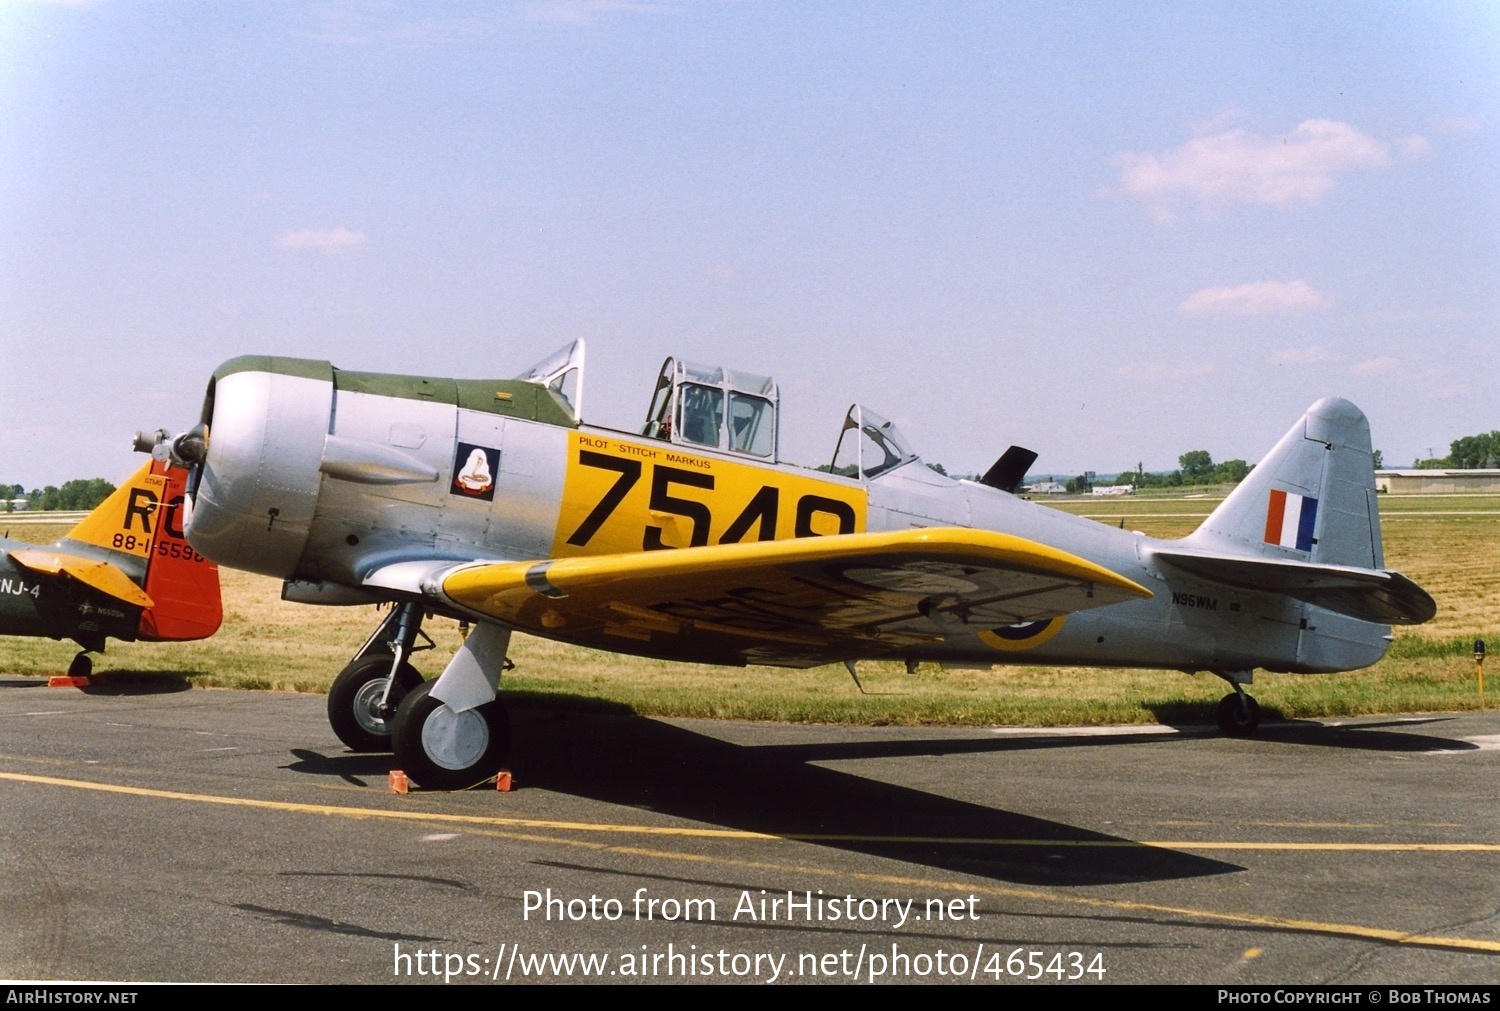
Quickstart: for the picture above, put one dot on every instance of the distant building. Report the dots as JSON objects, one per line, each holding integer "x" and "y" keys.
{"x": 1114, "y": 489}
{"x": 1407, "y": 482}
{"x": 15, "y": 505}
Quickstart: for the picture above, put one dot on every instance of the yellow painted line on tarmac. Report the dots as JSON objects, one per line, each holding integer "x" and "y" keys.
{"x": 1247, "y": 920}
{"x": 483, "y": 822}
{"x": 341, "y": 811}
{"x": 1317, "y": 824}
{"x": 1239, "y": 919}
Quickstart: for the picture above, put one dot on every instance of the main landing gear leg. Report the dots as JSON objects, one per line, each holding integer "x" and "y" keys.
{"x": 1238, "y": 712}
{"x": 453, "y": 733}
{"x": 364, "y": 696}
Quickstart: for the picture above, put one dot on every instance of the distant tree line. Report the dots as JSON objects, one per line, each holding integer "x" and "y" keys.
{"x": 79, "y": 493}
{"x": 1472, "y": 452}
{"x": 1195, "y": 467}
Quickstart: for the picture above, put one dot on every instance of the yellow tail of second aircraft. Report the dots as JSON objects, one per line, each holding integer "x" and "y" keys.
{"x": 136, "y": 534}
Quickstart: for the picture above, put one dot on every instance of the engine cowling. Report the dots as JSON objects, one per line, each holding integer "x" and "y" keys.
{"x": 303, "y": 471}
{"x": 256, "y": 490}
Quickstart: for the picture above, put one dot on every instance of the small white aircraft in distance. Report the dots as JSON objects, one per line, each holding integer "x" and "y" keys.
{"x": 490, "y": 501}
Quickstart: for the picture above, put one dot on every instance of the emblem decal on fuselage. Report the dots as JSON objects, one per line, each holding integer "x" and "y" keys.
{"x": 474, "y": 469}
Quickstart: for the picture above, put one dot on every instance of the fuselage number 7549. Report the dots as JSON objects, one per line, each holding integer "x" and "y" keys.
{"x": 622, "y": 496}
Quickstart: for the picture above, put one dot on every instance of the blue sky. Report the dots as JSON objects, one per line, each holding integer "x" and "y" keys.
{"x": 1109, "y": 232}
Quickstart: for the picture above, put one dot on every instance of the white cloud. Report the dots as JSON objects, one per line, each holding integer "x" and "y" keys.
{"x": 1378, "y": 366}
{"x": 323, "y": 240}
{"x": 1313, "y": 355}
{"x": 1258, "y": 298}
{"x": 1238, "y": 167}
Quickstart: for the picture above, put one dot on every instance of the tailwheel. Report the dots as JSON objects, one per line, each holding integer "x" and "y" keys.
{"x": 1238, "y": 715}
{"x": 443, "y": 750}
{"x": 354, "y": 701}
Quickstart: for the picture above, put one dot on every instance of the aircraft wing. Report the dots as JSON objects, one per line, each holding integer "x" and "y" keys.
{"x": 1377, "y": 595}
{"x": 101, "y": 576}
{"x": 793, "y": 603}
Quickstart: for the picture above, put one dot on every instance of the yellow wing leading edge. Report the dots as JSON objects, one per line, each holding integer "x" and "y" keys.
{"x": 790, "y": 602}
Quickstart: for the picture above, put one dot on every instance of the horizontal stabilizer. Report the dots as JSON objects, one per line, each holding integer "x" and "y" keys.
{"x": 1377, "y": 595}
{"x": 102, "y": 576}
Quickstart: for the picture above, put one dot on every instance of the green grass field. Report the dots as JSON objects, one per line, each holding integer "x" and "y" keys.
{"x": 1449, "y": 544}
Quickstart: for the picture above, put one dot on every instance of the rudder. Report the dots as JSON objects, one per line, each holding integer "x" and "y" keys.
{"x": 183, "y": 585}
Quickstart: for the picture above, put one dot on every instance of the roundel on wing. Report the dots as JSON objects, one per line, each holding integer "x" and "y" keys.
{"x": 1026, "y": 635}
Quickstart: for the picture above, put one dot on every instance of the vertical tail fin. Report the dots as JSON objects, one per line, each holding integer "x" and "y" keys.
{"x": 141, "y": 527}
{"x": 1312, "y": 498}
{"x": 123, "y": 522}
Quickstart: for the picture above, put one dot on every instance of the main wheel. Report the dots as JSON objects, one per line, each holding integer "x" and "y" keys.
{"x": 443, "y": 750}
{"x": 354, "y": 702}
{"x": 1236, "y": 719}
{"x": 81, "y": 667}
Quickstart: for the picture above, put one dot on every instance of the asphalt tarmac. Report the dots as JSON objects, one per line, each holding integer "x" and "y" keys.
{"x": 191, "y": 835}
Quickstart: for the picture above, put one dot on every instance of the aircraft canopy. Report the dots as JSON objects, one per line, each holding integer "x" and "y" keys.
{"x": 701, "y": 405}
{"x": 869, "y": 445}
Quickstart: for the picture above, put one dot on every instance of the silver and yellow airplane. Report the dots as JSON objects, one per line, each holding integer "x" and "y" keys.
{"x": 492, "y": 502}
{"x": 124, "y": 572}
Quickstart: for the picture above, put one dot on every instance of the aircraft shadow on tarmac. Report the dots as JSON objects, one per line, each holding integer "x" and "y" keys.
{"x": 606, "y": 753}
{"x": 1364, "y": 736}
{"x": 637, "y": 762}
{"x": 1361, "y": 736}
{"x": 129, "y": 682}
{"x": 124, "y": 682}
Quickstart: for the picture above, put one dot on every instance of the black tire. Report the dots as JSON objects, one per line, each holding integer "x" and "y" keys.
{"x": 81, "y": 667}
{"x": 355, "y": 695}
{"x": 1238, "y": 720}
{"x": 442, "y": 750}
